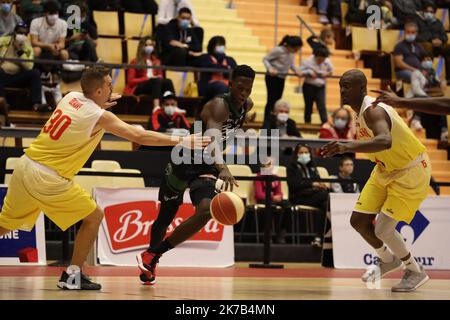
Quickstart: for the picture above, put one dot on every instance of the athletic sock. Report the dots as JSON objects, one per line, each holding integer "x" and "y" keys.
{"x": 385, "y": 254}
{"x": 412, "y": 264}
{"x": 161, "y": 248}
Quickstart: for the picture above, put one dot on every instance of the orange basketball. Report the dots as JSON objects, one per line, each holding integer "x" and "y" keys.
{"x": 227, "y": 208}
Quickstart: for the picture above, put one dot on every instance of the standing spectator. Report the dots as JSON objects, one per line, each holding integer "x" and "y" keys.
{"x": 305, "y": 192}
{"x": 140, "y": 6}
{"x": 280, "y": 120}
{"x": 168, "y": 118}
{"x": 168, "y": 10}
{"x": 31, "y": 9}
{"x": 20, "y": 74}
{"x": 329, "y": 9}
{"x": 181, "y": 45}
{"x": 432, "y": 36}
{"x": 405, "y": 10}
{"x": 408, "y": 54}
{"x": 340, "y": 126}
{"x": 212, "y": 84}
{"x": 282, "y": 221}
{"x": 346, "y": 167}
{"x": 147, "y": 81}
{"x": 8, "y": 19}
{"x": 315, "y": 69}
{"x": 278, "y": 62}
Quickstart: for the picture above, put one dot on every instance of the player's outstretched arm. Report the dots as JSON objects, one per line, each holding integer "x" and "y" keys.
{"x": 378, "y": 121}
{"x": 111, "y": 123}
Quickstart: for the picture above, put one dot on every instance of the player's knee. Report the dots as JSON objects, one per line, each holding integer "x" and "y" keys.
{"x": 383, "y": 233}
{"x": 203, "y": 209}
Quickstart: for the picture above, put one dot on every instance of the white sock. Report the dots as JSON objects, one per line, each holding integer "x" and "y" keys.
{"x": 412, "y": 264}
{"x": 72, "y": 269}
{"x": 385, "y": 254}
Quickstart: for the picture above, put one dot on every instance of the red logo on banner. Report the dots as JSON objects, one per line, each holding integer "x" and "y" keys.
{"x": 129, "y": 224}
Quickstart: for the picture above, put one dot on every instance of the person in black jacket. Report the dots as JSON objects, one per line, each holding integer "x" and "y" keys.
{"x": 305, "y": 192}
{"x": 280, "y": 120}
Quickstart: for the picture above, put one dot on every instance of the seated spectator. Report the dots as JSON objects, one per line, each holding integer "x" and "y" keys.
{"x": 20, "y": 74}
{"x": 329, "y": 9}
{"x": 181, "y": 47}
{"x": 305, "y": 192}
{"x": 405, "y": 10}
{"x": 168, "y": 118}
{"x": 346, "y": 166}
{"x": 48, "y": 33}
{"x": 408, "y": 54}
{"x": 31, "y": 9}
{"x": 8, "y": 19}
{"x": 168, "y": 10}
{"x": 147, "y": 81}
{"x": 340, "y": 126}
{"x": 104, "y": 5}
{"x": 213, "y": 84}
{"x": 357, "y": 12}
{"x": 432, "y": 36}
{"x": 280, "y": 120}
{"x": 315, "y": 69}
{"x": 282, "y": 221}
{"x": 278, "y": 62}
{"x": 388, "y": 20}
{"x": 140, "y": 6}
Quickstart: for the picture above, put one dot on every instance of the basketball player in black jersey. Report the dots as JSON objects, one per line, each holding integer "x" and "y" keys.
{"x": 225, "y": 113}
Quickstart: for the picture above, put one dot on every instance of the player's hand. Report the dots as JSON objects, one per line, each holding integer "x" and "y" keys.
{"x": 250, "y": 117}
{"x": 387, "y": 97}
{"x": 228, "y": 179}
{"x": 273, "y": 72}
{"x": 195, "y": 141}
{"x": 112, "y": 100}
{"x": 333, "y": 148}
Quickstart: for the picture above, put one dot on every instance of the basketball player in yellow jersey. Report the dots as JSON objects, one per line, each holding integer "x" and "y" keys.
{"x": 398, "y": 183}
{"x": 42, "y": 180}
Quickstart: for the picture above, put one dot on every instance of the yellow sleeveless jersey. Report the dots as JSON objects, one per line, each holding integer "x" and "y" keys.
{"x": 405, "y": 146}
{"x": 67, "y": 140}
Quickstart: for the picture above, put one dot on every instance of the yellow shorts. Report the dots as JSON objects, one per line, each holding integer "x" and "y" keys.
{"x": 397, "y": 194}
{"x": 32, "y": 190}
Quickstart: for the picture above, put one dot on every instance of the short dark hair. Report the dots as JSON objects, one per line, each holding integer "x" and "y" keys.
{"x": 93, "y": 78}
{"x": 321, "y": 51}
{"x": 21, "y": 25}
{"x": 184, "y": 10}
{"x": 243, "y": 70}
{"x": 411, "y": 23}
{"x": 427, "y": 4}
{"x": 291, "y": 41}
{"x": 51, "y": 6}
{"x": 343, "y": 159}
{"x": 214, "y": 42}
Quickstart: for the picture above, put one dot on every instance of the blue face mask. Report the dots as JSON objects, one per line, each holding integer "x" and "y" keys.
{"x": 427, "y": 64}
{"x": 220, "y": 49}
{"x": 6, "y": 7}
{"x": 184, "y": 23}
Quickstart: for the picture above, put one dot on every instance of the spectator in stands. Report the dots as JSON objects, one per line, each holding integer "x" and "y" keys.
{"x": 282, "y": 221}
{"x": 388, "y": 21}
{"x": 356, "y": 13}
{"x": 305, "y": 192}
{"x": 408, "y": 54}
{"x": 181, "y": 46}
{"x": 278, "y": 62}
{"x": 147, "y": 81}
{"x": 432, "y": 36}
{"x": 31, "y": 9}
{"x": 8, "y": 19}
{"x": 140, "y": 6}
{"x": 212, "y": 84}
{"x": 48, "y": 33}
{"x": 326, "y": 38}
{"x": 168, "y": 118}
{"x": 315, "y": 69}
{"x": 346, "y": 167}
{"x": 329, "y": 9}
{"x": 405, "y": 10}
{"x": 340, "y": 126}
{"x": 168, "y": 10}
{"x": 280, "y": 120}
{"x": 20, "y": 74}
{"x": 104, "y": 5}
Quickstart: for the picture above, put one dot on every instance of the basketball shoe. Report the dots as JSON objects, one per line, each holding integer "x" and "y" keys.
{"x": 76, "y": 280}
{"x": 147, "y": 262}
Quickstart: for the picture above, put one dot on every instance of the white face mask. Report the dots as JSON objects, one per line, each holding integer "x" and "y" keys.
{"x": 340, "y": 123}
{"x": 51, "y": 19}
{"x": 148, "y": 50}
{"x": 282, "y": 117}
{"x": 304, "y": 158}
{"x": 170, "y": 110}
{"x": 267, "y": 170}
{"x": 20, "y": 39}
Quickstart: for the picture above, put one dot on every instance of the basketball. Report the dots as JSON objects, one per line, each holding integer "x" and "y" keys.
{"x": 227, "y": 208}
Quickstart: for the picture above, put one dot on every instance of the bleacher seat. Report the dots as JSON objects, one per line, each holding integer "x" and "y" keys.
{"x": 132, "y": 46}
{"x": 105, "y": 165}
{"x": 180, "y": 80}
{"x": 107, "y": 22}
{"x": 128, "y": 182}
{"x": 364, "y": 39}
{"x": 137, "y": 25}
{"x": 110, "y": 50}
{"x": 389, "y": 38}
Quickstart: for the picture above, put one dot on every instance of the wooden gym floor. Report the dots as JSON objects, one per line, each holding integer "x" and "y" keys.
{"x": 295, "y": 281}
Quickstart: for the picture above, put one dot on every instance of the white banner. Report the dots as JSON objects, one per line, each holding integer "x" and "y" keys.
{"x": 126, "y": 230}
{"x": 22, "y": 247}
{"x": 428, "y": 235}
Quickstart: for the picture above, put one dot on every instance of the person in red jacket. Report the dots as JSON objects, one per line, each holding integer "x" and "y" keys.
{"x": 282, "y": 221}
{"x": 340, "y": 127}
{"x": 168, "y": 118}
{"x": 147, "y": 81}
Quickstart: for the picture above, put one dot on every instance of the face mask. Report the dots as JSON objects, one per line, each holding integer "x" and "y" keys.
{"x": 304, "y": 158}
{"x": 340, "y": 123}
{"x": 21, "y": 38}
{"x": 429, "y": 16}
{"x": 220, "y": 49}
{"x": 185, "y": 23}
{"x": 410, "y": 37}
{"x": 148, "y": 50}
{"x": 282, "y": 117}
{"x": 427, "y": 64}
{"x": 6, "y": 7}
{"x": 267, "y": 170}
{"x": 170, "y": 110}
{"x": 51, "y": 19}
